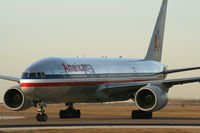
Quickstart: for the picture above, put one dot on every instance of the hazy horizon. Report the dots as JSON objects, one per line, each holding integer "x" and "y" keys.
{"x": 31, "y": 30}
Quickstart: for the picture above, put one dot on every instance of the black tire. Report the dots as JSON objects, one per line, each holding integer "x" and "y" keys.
{"x": 77, "y": 113}
{"x": 62, "y": 114}
{"x": 69, "y": 114}
{"x": 45, "y": 117}
{"x": 138, "y": 114}
{"x": 41, "y": 117}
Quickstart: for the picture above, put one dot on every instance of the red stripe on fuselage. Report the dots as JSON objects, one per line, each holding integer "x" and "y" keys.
{"x": 58, "y": 84}
{"x": 53, "y": 84}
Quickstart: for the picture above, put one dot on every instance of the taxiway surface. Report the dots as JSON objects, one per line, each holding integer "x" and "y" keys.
{"x": 104, "y": 115}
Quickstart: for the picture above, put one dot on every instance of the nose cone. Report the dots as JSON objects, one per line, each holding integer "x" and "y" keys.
{"x": 36, "y": 72}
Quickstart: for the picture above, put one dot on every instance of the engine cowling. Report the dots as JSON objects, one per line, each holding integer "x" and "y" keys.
{"x": 151, "y": 98}
{"x": 14, "y": 99}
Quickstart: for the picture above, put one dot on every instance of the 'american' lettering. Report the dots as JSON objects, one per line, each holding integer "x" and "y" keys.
{"x": 75, "y": 68}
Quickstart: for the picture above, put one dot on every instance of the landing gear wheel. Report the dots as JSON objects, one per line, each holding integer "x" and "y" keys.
{"x": 41, "y": 117}
{"x": 138, "y": 114}
{"x": 70, "y": 112}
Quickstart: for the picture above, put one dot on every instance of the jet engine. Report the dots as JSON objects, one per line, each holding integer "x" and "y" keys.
{"x": 15, "y": 100}
{"x": 151, "y": 98}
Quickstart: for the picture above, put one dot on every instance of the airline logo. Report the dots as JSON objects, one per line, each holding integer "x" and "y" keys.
{"x": 75, "y": 67}
{"x": 156, "y": 46}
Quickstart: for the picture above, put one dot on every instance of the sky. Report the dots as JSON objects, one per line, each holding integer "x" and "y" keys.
{"x": 34, "y": 29}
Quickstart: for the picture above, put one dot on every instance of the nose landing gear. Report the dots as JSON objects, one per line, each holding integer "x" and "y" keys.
{"x": 70, "y": 112}
{"x": 41, "y": 116}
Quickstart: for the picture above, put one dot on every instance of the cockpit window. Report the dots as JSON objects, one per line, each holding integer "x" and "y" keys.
{"x": 33, "y": 75}
{"x": 25, "y": 75}
{"x": 43, "y": 75}
{"x": 39, "y": 74}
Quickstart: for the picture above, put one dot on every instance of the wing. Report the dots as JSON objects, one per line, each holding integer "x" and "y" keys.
{"x": 119, "y": 88}
{"x": 11, "y": 78}
{"x": 179, "y": 70}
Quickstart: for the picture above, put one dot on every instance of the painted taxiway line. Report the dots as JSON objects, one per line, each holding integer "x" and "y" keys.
{"x": 2, "y": 117}
{"x": 91, "y": 127}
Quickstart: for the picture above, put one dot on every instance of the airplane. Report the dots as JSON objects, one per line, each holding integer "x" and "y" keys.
{"x": 94, "y": 80}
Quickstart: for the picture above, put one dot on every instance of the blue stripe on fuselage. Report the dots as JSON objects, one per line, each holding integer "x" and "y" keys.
{"x": 68, "y": 76}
